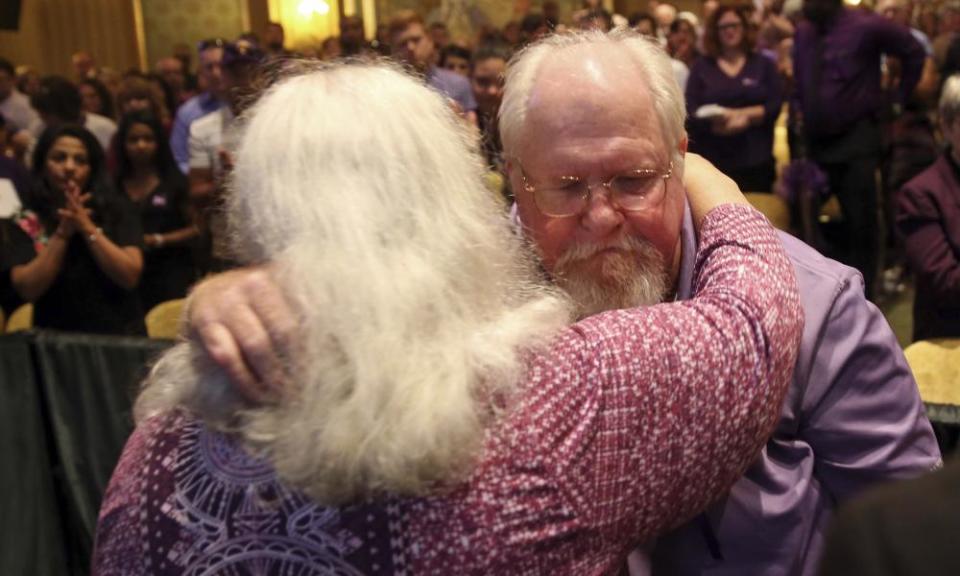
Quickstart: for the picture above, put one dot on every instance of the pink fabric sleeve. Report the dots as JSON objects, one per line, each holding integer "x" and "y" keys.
{"x": 643, "y": 416}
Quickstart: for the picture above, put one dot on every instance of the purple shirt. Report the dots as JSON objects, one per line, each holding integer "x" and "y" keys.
{"x": 453, "y": 86}
{"x": 849, "y": 80}
{"x": 757, "y": 83}
{"x": 193, "y": 109}
{"x": 852, "y": 418}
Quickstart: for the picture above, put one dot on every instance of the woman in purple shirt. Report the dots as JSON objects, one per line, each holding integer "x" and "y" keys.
{"x": 733, "y": 99}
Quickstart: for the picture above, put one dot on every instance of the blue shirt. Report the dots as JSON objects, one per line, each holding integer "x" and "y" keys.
{"x": 193, "y": 109}
{"x": 453, "y": 86}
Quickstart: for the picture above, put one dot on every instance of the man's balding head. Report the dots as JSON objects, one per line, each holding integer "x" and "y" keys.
{"x": 598, "y": 109}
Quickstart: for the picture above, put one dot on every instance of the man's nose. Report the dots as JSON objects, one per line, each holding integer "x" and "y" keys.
{"x": 600, "y": 217}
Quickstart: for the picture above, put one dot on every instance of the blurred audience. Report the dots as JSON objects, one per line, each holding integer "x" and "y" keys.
{"x": 532, "y": 28}
{"x": 211, "y": 100}
{"x": 212, "y": 143}
{"x": 273, "y": 42}
{"x": 733, "y": 99}
{"x": 682, "y": 41}
{"x": 330, "y": 49}
{"x": 149, "y": 177}
{"x": 96, "y": 98}
{"x": 412, "y": 46}
{"x": 665, "y": 14}
{"x": 83, "y": 274}
{"x": 84, "y": 65}
{"x": 486, "y": 77}
{"x": 352, "y": 41}
{"x": 456, "y": 59}
{"x": 14, "y": 180}
{"x": 928, "y": 218}
{"x": 14, "y": 104}
{"x": 173, "y": 74}
{"x": 838, "y": 86}
{"x": 138, "y": 93}
{"x": 596, "y": 19}
{"x": 59, "y": 102}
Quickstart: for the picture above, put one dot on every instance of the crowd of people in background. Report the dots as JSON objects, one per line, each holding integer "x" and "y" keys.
{"x": 112, "y": 194}
{"x": 741, "y": 65}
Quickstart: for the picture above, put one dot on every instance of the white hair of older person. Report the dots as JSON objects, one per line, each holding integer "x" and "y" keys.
{"x": 652, "y": 63}
{"x": 417, "y": 301}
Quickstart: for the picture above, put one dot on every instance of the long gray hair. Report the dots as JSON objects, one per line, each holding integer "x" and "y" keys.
{"x": 362, "y": 188}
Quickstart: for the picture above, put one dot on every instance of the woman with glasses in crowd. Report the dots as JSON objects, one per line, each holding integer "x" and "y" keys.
{"x": 84, "y": 273}
{"x": 733, "y": 99}
{"x": 149, "y": 177}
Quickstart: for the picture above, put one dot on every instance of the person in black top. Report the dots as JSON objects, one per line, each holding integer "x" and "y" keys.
{"x": 84, "y": 276}
{"x": 148, "y": 176}
{"x": 15, "y": 247}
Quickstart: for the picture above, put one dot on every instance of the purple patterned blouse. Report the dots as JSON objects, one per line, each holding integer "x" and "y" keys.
{"x": 630, "y": 422}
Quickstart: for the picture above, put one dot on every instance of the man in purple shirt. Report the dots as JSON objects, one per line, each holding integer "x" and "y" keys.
{"x": 411, "y": 44}
{"x": 836, "y": 61}
{"x": 211, "y": 55}
{"x": 853, "y": 416}
{"x": 852, "y": 419}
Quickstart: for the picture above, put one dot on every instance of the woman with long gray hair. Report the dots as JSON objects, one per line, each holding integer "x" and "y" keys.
{"x": 442, "y": 414}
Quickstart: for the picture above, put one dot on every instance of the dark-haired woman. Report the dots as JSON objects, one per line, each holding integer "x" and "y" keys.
{"x": 733, "y": 100}
{"x": 96, "y": 98}
{"x": 85, "y": 273}
{"x": 149, "y": 177}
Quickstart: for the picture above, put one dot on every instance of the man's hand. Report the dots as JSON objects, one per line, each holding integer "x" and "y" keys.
{"x": 247, "y": 327}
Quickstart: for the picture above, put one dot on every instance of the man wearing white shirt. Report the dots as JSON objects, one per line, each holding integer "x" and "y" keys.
{"x": 59, "y": 102}
{"x": 14, "y": 105}
{"x": 211, "y": 143}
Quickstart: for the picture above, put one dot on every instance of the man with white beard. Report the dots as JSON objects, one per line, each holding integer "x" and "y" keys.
{"x": 592, "y": 132}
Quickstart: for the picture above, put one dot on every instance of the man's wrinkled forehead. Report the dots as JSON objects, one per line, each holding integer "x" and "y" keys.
{"x": 584, "y": 84}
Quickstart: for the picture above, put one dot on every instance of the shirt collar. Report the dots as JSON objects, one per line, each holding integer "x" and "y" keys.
{"x": 688, "y": 255}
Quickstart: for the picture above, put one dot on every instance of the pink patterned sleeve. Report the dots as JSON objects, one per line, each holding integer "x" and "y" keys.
{"x": 644, "y": 416}
{"x": 118, "y": 550}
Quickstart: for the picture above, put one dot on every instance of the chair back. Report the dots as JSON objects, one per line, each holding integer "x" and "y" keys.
{"x": 21, "y": 319}
{"x": 773, "y": 207}
{"x": 936, "y": 368}
{"x": 164, "y": 319}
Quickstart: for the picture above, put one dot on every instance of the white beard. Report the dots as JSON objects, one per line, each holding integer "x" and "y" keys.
{"x": 634, "y": 275}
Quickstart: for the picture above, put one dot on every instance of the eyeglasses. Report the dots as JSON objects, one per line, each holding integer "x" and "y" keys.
{"x": 633, "y": 191}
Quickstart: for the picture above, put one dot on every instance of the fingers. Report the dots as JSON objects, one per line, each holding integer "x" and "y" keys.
{"x": 278, "y": 317}
{"x": 247, "y": 327}
{"x": 269, "y": 332}
{"x": 224, "y": 350}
